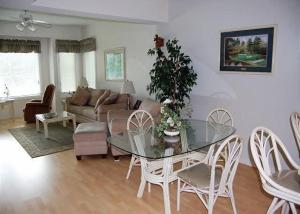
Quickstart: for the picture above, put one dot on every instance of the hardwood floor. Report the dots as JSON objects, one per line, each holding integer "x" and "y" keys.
{"x": 58, "y": 183}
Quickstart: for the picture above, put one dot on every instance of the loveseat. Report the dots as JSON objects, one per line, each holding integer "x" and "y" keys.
{"x": 91, "y": 105}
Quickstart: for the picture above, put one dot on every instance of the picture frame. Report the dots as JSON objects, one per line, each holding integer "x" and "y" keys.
{"x": 114, "y": 64}
{"x": 247, "y": 50}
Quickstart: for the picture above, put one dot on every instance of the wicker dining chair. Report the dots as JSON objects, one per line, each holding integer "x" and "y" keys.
{"x": 211, "y": 180}
{"x": 269, "y": 154}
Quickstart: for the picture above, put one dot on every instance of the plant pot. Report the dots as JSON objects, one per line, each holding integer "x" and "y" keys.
{"x": 171, "y": 132}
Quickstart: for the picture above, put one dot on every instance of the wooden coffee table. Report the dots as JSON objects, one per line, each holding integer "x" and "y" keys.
{"x": 63, "y": 116}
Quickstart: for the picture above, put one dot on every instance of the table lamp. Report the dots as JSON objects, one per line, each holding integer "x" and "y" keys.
{"x": 128, "y": 88}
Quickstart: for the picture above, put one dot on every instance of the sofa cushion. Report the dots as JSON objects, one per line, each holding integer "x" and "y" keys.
{"x": 75, "y": 109}
{"x": 111, "y": 99}
{"x": 122, "y": 98}
{"x": 81, "y": 96}
{"x": 89, "y": 112}
{"x": 151, "y": 106}
{"x": 95, "y": 94}
{"x": 101, "y": 99}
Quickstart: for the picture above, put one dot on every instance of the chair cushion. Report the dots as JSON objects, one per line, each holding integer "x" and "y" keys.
{"x": 199, "y": 176}
{"x": 81, "y": 96}
{"x": 289, "y": 179}
{"x": 95, "y": 94}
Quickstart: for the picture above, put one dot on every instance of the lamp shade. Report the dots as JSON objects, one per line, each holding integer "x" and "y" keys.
{"x": 127, "y": 87}
{"x": 84, "y": 82}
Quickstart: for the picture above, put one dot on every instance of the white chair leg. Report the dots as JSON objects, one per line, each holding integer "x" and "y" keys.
{"x": 232, "y": 201}
{"x": 293, "y": 208}
{"x": 130, "y": 166}
{"x": 149, "y": 187}
{"x": 178, "y": 194}
{"x": 166, "y": 198}
{"x": 142, "y": 187}
{"x": 271, "y": 207}
{"x": 210, "y": 203}
{"x": 285, "y": 208}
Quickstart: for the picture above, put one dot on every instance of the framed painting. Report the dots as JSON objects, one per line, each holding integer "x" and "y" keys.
{"x": 114, "y": 62}
{"x": 247, "y": 50}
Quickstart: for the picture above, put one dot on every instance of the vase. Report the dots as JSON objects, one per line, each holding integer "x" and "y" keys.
{"x": 171, "y": 139}
{"x": 171, "y": 132}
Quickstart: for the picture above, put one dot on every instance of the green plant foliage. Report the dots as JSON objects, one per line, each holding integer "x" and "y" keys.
{"x": 172, "y": 76}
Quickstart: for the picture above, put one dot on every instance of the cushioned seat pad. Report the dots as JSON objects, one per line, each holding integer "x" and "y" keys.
{"x": 199, "y": 175}
{"x": 289, "y": 179}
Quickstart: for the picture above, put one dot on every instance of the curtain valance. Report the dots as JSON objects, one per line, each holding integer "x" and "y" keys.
{"x": 68, "y": 46}
{"x": 19, "y": 46}
{"x": 87, "y": 45}
{"x": 74, "y": 46}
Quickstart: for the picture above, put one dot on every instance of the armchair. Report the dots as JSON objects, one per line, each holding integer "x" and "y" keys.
{"x": 39, "y": 106}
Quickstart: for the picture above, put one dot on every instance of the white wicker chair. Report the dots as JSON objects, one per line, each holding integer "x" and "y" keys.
{"x": 284, "y": 184}
{"x": 138, "y": 120}
{"x": 209, "y": 181}
{"x": 220, "y": 116}
{"x": 154, "y": 173}
{"x": 295, "y": 121}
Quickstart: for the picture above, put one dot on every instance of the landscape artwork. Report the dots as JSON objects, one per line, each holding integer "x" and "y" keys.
{"x": 115, "y": 64}
{"x": 247, "y": 50}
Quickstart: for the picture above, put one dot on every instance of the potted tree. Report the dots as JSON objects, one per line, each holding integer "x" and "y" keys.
{"x": 172, "y": 76}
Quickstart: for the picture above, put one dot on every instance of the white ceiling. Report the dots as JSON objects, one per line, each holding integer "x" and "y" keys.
{"x": 9, "y": 15}
{"x": 80, "y": 12}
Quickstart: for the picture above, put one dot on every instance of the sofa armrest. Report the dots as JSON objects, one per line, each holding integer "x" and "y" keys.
{"x": 66, "y": 102}
{"x": 35, "y": 101}
{"x": 35, "y": 104}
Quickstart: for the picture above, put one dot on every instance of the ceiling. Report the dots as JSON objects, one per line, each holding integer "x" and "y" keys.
{"x": 79, "y": 12}
{"x": 9, "y": 15}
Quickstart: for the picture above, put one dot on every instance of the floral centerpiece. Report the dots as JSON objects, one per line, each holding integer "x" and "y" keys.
{"x": 170, "y": 122}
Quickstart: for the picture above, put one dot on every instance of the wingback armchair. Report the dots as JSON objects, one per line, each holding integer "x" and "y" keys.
{"x": 39, "y": 106}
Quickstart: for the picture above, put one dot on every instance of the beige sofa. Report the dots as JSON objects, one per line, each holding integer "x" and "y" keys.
{"x": 91, "y": 113}
{"x": 117, "y": 120}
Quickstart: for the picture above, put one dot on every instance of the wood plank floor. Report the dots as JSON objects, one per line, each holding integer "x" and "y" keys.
{"x": 58, "y": 183}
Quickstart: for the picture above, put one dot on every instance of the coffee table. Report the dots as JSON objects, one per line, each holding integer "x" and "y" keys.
{"x": 63, "y": 116}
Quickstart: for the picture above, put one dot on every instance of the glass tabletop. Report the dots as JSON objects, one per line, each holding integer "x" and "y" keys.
{"x": 198, "y": 135}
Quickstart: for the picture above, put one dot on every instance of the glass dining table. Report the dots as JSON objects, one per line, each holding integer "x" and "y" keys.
{"x": 197, "y": 135}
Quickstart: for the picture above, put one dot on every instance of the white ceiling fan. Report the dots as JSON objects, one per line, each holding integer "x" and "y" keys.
{"x": 26, "y": 21}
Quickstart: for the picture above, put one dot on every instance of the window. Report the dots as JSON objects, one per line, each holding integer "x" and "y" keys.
{"x": 89, "y": 68}
{"x": 67, "y": 71}
{"x": 20, "y": 73}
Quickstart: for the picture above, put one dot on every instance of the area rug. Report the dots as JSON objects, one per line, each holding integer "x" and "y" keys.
{"x": 35, "y": 143}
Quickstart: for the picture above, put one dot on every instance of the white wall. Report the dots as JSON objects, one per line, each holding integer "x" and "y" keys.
{"x": 254, "y": 100}
{"x": 136, "y": 38}
{"x": 48, "y": 56}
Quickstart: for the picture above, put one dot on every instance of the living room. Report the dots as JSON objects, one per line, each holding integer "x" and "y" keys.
{"x": 265, "y": 99}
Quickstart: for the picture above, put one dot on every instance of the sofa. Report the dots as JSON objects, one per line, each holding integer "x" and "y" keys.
{"x": 117, "y": 120}
{"x": 90, "y": 105}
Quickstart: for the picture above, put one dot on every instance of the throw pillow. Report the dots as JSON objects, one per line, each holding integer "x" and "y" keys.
{"x": 81, "y": 97}
{"x": 101, "y": 99}
{"x": 95, "y": 94}
{"x": 111, "y": 99}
